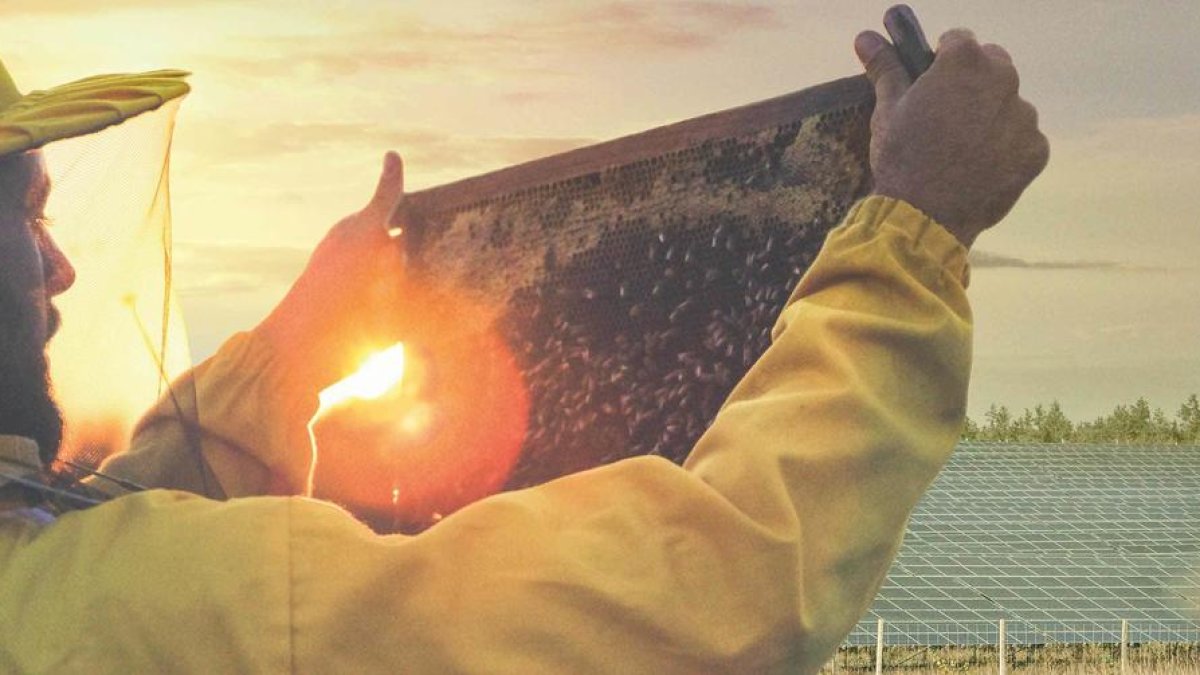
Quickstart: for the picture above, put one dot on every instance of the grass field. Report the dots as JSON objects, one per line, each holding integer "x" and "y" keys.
{"x": 1146, "y": 659}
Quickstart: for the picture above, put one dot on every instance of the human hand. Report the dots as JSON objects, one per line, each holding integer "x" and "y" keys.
{"x": 958, "y": 143}
{"x": 338, "y": 307}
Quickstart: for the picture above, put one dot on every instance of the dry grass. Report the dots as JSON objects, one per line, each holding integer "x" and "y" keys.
{"x": 1089, "y": 659}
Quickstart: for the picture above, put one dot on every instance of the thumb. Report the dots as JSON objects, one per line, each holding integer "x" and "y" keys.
{"x": 390, "y": 188}
{"x": 883, "y": 66}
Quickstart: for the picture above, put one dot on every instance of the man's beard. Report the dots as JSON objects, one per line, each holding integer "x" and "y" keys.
{"x": 27, "y": 406}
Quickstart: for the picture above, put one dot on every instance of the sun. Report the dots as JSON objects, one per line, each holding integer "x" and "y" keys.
{"x": 379, "y": 374}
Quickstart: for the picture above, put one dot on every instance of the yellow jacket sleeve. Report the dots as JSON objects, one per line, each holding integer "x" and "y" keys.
{"x": 243, "y": 415}
{"x": 757, "y": 556}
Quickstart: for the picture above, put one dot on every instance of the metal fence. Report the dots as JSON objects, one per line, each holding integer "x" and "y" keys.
{"x": 881, "y": 646}
{"x": 970, "y": 633}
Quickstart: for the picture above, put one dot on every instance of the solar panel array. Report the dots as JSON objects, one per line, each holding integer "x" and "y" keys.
{"x": 1063, "y": 541}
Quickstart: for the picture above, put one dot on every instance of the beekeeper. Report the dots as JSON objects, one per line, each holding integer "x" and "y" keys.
{"x": 758, "y": 555}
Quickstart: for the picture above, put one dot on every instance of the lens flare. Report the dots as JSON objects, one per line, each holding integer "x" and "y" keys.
{"x": 381, "y": 372}
{"x": 446, "y": 435}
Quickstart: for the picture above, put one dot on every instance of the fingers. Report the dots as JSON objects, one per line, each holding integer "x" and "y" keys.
{"x": 1026, "y": 114}
{"x": 997, "y": 53}
{"x": 960, "y": 45}
{"x": 1039, "y": 154}
{"x": 389, "y": 190}
{"x": 956, "y": 38}
{"x": 883, "y": 66}
{"x": 959, "y": 49}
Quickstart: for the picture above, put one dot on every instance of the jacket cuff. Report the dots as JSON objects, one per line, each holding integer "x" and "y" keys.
{"x": 927, "y": 235}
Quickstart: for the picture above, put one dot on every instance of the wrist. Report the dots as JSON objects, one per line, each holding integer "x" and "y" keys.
{"x": 928, "y": 236}
{"x": 950, "y": 219}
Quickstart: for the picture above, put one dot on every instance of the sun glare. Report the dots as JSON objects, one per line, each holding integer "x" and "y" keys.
{"x": 381, "y": 372}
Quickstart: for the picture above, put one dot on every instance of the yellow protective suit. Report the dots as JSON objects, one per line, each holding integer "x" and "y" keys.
{"x": 757, "y": 556}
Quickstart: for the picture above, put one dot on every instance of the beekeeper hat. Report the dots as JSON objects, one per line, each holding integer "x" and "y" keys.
{"x": 32, "y": 120}
{"x": 104, "y": 145}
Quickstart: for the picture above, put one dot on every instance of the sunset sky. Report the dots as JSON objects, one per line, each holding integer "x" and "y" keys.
{"x": 1086, "y": 294}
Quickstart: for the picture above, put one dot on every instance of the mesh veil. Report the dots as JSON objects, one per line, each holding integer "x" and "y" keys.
{"x": 122, "y": 339}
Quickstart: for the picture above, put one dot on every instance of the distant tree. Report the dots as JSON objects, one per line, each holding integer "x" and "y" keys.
{"x": 970, "y": 430}
{"x": 1115, "y": 427}
{"x": 1133, "y": 423}
{"x": 1163, "y": 429}
{"x": 1023, "y": 428}
{"x": 1052, "y": 424}
{"x": 1091, "y": 432}
{"x": 999, "y": 424}
{"x": 1125, "y": 424}
{"x": 1141, "y": 422}
{"x": 1189, "y": 420}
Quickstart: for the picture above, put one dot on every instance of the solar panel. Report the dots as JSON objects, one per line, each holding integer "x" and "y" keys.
{"x": 1061, "y": 540}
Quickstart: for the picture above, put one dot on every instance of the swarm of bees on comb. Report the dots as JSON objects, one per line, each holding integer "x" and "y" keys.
{"x": 638, "y": 280}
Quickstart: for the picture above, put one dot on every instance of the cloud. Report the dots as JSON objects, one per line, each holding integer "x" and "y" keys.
{"x": 427, "y": 149}
{"x": 533, "y": 42}
{"x": 1121, "y": 189}
{"x": 659, "y": 26}
{"x": 28, "y": 7}
{"x": 1128, "y": 329}
{"x": 734, "y": 15}
{"x": 227, "y": 268}
{"x": 985, "y": 260}
{"x": 526, "y": 97}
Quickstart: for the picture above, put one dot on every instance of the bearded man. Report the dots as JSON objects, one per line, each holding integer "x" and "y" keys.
{"x": 758, "y": 555}
{"x": 34, "y": 270}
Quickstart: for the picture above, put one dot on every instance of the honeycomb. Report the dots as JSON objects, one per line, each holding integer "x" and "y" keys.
{"x": 636, "y": 281}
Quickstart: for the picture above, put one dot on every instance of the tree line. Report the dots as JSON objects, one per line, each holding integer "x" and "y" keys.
{"x": 1133, "y": 423}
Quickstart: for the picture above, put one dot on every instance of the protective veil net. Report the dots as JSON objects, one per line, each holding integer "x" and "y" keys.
{"x": 122, "y": 341}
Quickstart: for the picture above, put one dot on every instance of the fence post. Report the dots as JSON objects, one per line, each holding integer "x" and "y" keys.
{"x": 879, "y": 648}
{"x": 1124, "y": 646}
{"x": 1001, "y": 649}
